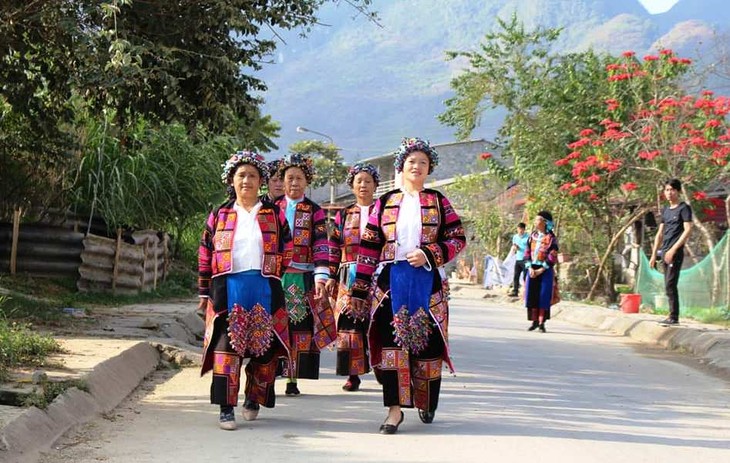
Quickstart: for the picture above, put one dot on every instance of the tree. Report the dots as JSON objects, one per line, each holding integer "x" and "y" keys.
{"x": 330, "y": 165}
{"x": 548, "y": 98}
{"x": 652, "y": 132}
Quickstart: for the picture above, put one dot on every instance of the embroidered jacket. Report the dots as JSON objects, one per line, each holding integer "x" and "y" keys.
{"x": 215, "y": 256}
{"x": 345, "y": 237}
{"x": 310, "y": 243}
{"x": 542, "y": 251}
{"x": 442, "y": 235}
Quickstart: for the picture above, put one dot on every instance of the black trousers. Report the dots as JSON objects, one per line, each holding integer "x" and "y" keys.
{"x": 671, "y": 279}
{"x": 519, "y": 270}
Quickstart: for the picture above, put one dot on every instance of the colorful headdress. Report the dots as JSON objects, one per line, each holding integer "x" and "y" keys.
{"x": 301, "y": 161}
{"x": 408, "y": 146}
{"x": 274, "y": 167}
{"x": 362, "y": 167}
{"x": 244, "y": 157}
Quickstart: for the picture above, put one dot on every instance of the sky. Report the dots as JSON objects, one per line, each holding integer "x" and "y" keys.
{"x": 658, "y": 6}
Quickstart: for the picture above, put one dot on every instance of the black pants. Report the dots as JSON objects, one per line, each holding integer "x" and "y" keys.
{"x": 519, "y": 270}
{"x": 671, "y": 279}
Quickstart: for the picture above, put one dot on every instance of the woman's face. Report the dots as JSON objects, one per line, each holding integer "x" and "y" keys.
{"x": 295, "y": 182}
{"x": 276, "y": 186}
{"x": 363, "y": 186}
{"x": 246, "y": 181}
{"x": 415, "y": 167}
{"x": 540, "y": 223}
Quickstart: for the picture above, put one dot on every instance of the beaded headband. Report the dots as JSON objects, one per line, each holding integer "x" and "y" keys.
{"x": 298, "y": 160}
{"x": 408, "y": 146}
{"x": 362, "y": 167}
{"x": 244, "y": 157}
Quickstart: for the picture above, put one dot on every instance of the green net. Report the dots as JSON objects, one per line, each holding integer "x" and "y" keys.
{"x": 704, "y": 288}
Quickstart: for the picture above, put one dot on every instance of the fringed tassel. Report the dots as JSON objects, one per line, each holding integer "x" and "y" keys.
{"x": 411, "y": 331}
{"x": 250, "y": 331}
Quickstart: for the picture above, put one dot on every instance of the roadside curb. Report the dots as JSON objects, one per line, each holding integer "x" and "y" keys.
{"x": 710, "y": 345}
{"x": 110, "y": 382}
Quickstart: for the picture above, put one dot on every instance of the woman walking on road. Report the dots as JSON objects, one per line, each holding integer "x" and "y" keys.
{"x": 352, "y": 345}
{"x": 311, "y": 319}
{"x": 240, "y": 262}
{"x": 411, "y": 232}
{"x": 541, "y": 255}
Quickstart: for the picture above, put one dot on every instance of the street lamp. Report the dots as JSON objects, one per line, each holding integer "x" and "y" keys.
{"x": 301, "y": 129}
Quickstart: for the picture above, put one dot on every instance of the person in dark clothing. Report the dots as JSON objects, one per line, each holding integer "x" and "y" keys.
{"x": 673, "y": 232}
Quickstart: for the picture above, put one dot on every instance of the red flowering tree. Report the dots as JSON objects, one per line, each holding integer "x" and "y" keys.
{"x": 652, "y": 132}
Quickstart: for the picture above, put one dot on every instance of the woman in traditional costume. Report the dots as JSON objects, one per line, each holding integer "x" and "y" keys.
{"x": 410, "y": 234}
{"x": 350, "y": 222}
{"x": 275, "y": 184}
{"x": 541, "y": 255}
{"x": 242, "y": 255}
{"x": 311, "y": 318}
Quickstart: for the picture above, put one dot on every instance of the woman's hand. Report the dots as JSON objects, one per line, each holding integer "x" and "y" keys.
{"x": 331, "y": 287}
{"x": 416, "y": 258}
{"x": 319, "y": 290}
{"x": 536, "y": 272}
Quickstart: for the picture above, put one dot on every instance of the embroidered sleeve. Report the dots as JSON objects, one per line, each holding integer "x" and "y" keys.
{"x": 336, "y": 243}
{"x": 286, "y": 244}
{"x": 368, "y": 256}
{"x": 528, "y": 251}
{"x": 451, "y": 237}
{"x": 552, "y": 254}
{"x": 320, "y": 248}
{"x": 205, "y": 257}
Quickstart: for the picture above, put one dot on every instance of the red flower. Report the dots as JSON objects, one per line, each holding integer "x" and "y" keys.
{"x": 649, "y": 155}
{"x": 628, "y": 54}
{"x": 593, "y": 178}
{"x": 562, "y": 162}
{"x": 651, "y": 58}
{"x": 579, "y": 143}
{"x": 486, "y": 156}
{"x": 586, "y": 132}
{"x": 713, "y": 123}
{"x": 699, "y": 195}
{"x": 666, "y": 52}
{"x": 629, "y": 186}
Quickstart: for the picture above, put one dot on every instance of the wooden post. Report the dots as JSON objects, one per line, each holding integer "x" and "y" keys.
{"x": 116, "y": 260}
{"x": 14, "y": 246}
{"x": 154, "y": 285}
{"x": 144, "y": 265}
{"x": 166, "y": 242}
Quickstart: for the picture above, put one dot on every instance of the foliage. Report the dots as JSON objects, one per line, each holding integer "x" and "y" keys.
{"x": 328, "y": 162}
{"x": 484, "y": 215}
{"x": 19, "y": 345}
{"x": 123, "y": 61}
{"x": 49, "y": 390}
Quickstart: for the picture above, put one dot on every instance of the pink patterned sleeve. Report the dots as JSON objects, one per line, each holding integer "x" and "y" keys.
{"x": 451, "y": 239}
{"x": 205, "y": 257}
{"x": 368, "y": 257}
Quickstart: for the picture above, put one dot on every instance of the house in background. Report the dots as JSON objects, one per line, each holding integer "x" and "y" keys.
{"x": 455, "y": 159}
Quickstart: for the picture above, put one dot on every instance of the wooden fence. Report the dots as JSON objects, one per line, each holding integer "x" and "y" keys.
{"x": 98, "y": 264}
{"x": 112, "y": 265}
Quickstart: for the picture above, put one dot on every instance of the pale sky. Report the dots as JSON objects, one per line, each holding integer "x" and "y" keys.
{"x": 658, "y": 6}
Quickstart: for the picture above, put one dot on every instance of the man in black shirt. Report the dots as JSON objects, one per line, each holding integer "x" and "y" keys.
{"x": 672, "y": 234}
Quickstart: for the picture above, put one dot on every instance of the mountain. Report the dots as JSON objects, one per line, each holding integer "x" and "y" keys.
{"x": 368, "y": 85}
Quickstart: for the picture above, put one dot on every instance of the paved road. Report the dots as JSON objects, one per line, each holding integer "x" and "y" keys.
{"x": 570, "y": 395}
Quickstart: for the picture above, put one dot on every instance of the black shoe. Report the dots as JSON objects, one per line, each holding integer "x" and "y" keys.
{"x": 426, "y": 416}
{"x": 669, "y": 321}
{"x": 292, "y": 389}
{"x": 512, "y": 295}
{"x": 542, "y": 328}
{"x": 352, "y": 384}
{"x": 386, "y": 428}
{"x": 533, "y": 327}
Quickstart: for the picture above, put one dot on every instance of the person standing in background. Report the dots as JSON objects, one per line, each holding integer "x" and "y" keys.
{"x": 672, "y": 234}
{"x": 519, "y": 244}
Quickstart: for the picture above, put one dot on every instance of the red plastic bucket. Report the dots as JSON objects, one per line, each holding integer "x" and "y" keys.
{"x": 630, "y": 303}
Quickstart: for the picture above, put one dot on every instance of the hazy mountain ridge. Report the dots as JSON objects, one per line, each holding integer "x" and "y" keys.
{"x": 368, "y": 86}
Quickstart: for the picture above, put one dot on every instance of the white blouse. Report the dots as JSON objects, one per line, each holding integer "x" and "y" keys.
{"x": 364, "y": 216}
{"x": 408, "y": 227}
{"x": 248, "y": 243}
